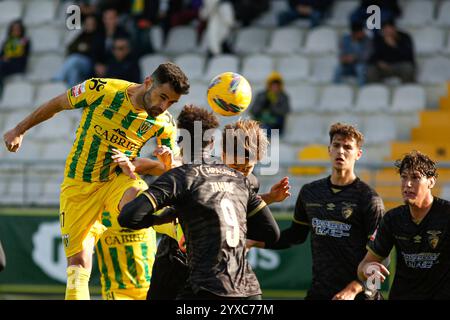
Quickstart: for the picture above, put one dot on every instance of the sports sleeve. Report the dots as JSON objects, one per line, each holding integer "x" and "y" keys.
{"x": 86, "y": 93}
{"x": 373, "y": 213}
{"x": 167, "y": 135}
{"x": 138, "y": 214}
{"x": 263, "y": 227}
{"x": 298, "y": 231}
{"x": 382, "y": 240}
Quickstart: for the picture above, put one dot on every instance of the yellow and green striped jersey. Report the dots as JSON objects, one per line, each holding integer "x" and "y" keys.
{"x": 125, "y": 258}
{"x": 109, "y": 121}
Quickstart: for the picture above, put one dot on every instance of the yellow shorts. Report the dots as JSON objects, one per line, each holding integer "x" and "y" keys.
{"x": 126, "y": 294}
{"x": 88, "y": 208}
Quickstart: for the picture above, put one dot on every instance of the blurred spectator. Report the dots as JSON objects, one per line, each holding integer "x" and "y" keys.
{"x": 79, "y": 62}
{"x": 179, "y": 12}
{"x": 393, "y": 55}
{"x": 354, "y": 53}
{"x": 390, "y": 10}
{"x": 123, "y": 65}
{"x": 314, "y": 10}
{"x": 249, "y": 10}
{"x": 111, "y": 29}
{"x": 15, "y": 51}
{"x": 87, "y": 7}
{"x": 271, "y": 105}
{"x": 144, "y": 15}
{"x": 219, "y": 17}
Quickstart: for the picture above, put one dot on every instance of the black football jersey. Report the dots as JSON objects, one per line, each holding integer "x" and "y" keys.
{"x": 212, "y": 202}
{"x": 341, "y": 220}
{"x": 423, "y": 251}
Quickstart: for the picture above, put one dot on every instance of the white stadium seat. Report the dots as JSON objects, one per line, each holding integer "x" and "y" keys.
{"x": 373, "y": 98}
{"x": 10, "y": 10}
{"x": 45, "y": 67}
{"x": 323, "y": 69}
{"x": 443, "y": 14}
{"x": 294, "y": 68}
{"x": 46, "y": 91}
{"x": 221, "y": 63}
{"x": 17, "y": 95}
{"x": 46, "y": 39}
{"x": 379, "y": 129}
{"x": 256, "y": 68}
{"x": 408, "y": 98}
{"x": 192, "y": 64}
{"x": 285, "y": 41}
{"x": 181, "y": 39}
{"x": 304, "y": 129}
{"x": 251, "y": 40}
{"x": 156, "y": 38}
{"x": 435, "y": 70}
{"x": 321, "y": 40}
{"x": 302, "y": 97}
{"x": 336, "y": 98}
{"x": 39, "y": 12}
{"x": 417, "y": 13}
{"x": 60, "y": 126}
{"x": 341, "y": 11}
{"x": 428, "y": 40}
{"x": 150, "y": 62}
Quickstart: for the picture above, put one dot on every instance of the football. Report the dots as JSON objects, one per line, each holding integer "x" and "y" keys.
{"x": 229, "y": 94}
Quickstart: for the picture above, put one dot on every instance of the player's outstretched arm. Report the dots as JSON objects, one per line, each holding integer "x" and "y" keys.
{"x": 137, "y": 214}
{"x": 13, "y": 138}
{"x": 262, "y": 229}
{"x": 278, "y": 193}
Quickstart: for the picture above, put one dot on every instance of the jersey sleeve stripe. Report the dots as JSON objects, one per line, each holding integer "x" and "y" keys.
{"x": 374, "y": 253}
{"x": 151, "y": 198}
{"x": 300, "y": 222}
{"x": 257, "y": 209}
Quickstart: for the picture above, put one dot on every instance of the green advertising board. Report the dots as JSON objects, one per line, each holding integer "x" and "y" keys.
{"x": 36, "y": 263}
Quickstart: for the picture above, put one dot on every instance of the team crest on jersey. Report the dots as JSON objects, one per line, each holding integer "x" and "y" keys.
{"x": 433, "y": 238}
{"x": 143, "y": 128}
{"x": 347, "y": 209}
{"x": 78, "y": 90}
{"x": 330, "y": 206}
{"x": 417, "y": 239}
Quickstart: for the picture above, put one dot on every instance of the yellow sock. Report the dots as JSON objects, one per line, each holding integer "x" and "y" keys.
{"x": 77, "y": 287}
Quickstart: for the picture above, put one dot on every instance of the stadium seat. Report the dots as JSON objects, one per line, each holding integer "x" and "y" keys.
{"x": 438, "y": 151}
{"x": 17, "y": 95}
{"x": 341, "y": 11}
{"x": 336, "y": 98}
{"x": 321, "y": 40}
{"x": 408, "y": 98}
{"x": 156, "y": 38}
{"x": 39, "y": 12}
{"x": 443, "y": 14}
{"x": 3, "y": 33}
{"x": 293, "y": 68}
{"x": 45, "y": 67}
{"x": 285, "y": 41}
{"x": 283, "y": 153}
{"x": 343, "y": 117}
{"x": 197, "y": 96}
{"x": 302, "y": 97}
{"x": 428, "y": 40}
{"x": 312, "y": 152}
{"x": 221, "y": 63}
{"x": 181, "y": 39}
{"x": 372, "y": 98}
{"x": 269, "y": 18}
{"x": 379, "y": 129}
{"x": 150, "y": 62}
{"x": 60, "y": 126}
{"x": 46, "y": 39}
{"x": 256, "y": 68}
{"x": 445, "y": 193}
{"x": 417, "y": 13}
{"x": 46, "y": 91}
{"x": 192, "y": 64}
{"x": 57, "y": 150}
{"x": 251, "y": 40}
{"x": 10, "y": 10}
{"x": 435, "y": 70}
{"x": 304, "y": 129}
{"x": 323, "y": 69}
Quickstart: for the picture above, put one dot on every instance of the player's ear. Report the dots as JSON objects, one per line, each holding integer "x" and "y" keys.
{"x": 148, "y": 82}
{"x": 431, "y": 182}
{"x": 359, "y": 154}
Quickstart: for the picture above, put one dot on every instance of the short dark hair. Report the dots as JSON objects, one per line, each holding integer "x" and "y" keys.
{"x": 347, "y": 131}
{"x": 190, "y": 114}
{"x": 357, "y": 26}
{"x": 417, "y": 161}
{"x": 169, "y": 72}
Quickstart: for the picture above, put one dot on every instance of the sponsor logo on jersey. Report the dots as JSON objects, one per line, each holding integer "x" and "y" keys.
{"x": 120, "y": 138}
{"x": 433, "y": 238}
{"x": 417, "y": 239}
{"x": 97, "y": 84}
{"x": 335, "y": 229}
{"x": 78, "y": 90}
{"x": 423, "y": 260}
{"x": 330, "y": 206}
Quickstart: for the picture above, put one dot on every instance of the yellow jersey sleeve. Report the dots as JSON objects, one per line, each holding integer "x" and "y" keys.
{"x": 85, "y": 93}
{"x": 167, "y": 136}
